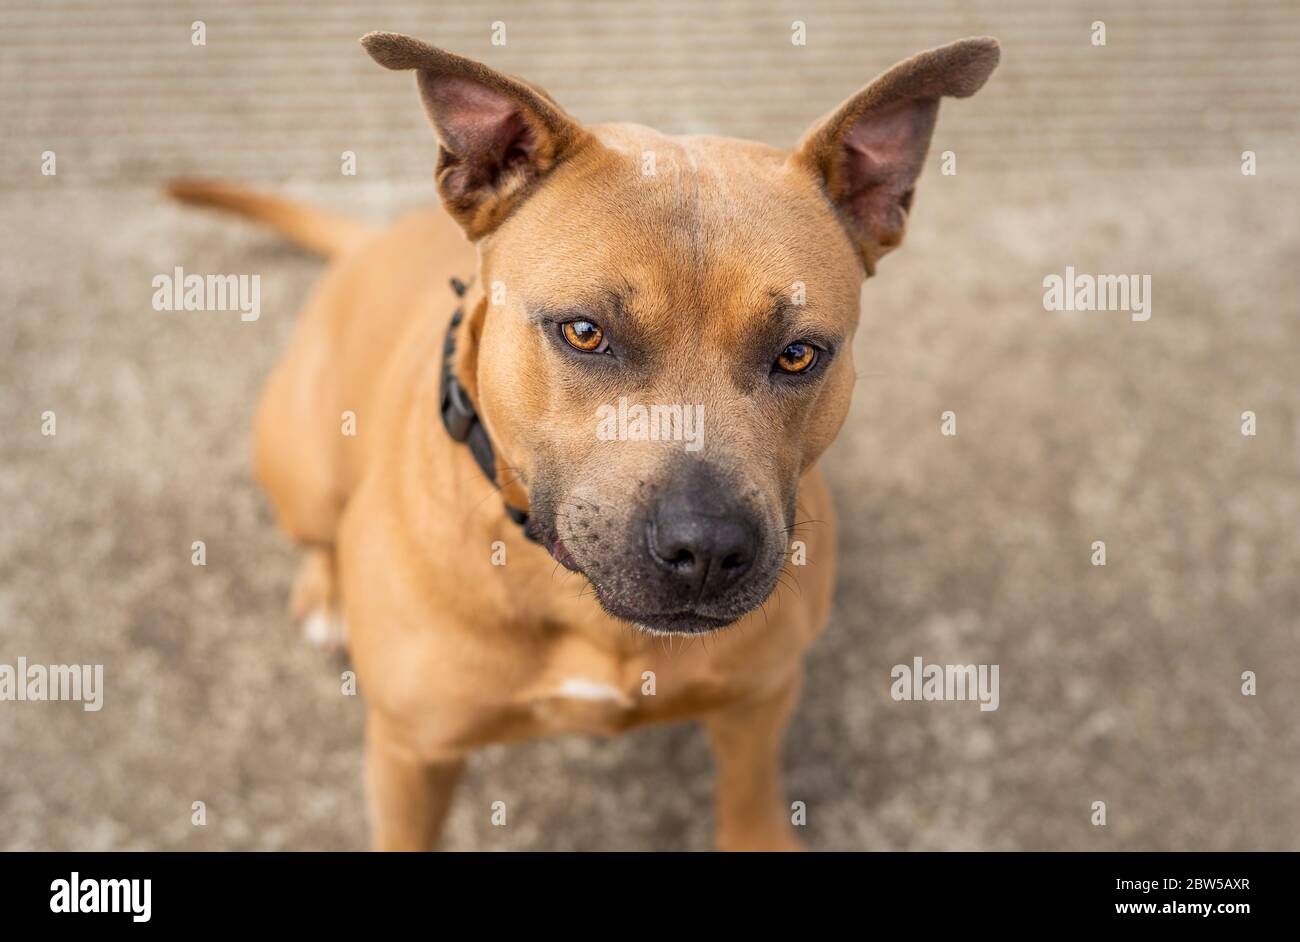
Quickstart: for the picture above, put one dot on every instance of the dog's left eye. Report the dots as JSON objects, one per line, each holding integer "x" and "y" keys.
{"x": 584, "y": 336}
{"x": 798, "y": 357}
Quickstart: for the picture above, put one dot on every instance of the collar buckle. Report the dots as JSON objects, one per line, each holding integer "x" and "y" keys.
{"x": 457, "y": 414}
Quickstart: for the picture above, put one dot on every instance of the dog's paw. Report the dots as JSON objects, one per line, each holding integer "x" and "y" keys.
{"x": 325, "y": 628}
{"x": 313, "y": 604}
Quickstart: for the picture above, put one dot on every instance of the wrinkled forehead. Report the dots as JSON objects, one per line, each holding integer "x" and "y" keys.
{"x": 682, "y": 225}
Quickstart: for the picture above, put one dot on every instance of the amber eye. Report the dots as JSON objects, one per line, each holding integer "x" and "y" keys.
{"x": 797, "y": 358}
{"x": 584, "y": 336}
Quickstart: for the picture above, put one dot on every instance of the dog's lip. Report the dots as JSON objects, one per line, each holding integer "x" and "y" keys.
{"x": 685, "y": 621}
{"x": 555, "y": 546}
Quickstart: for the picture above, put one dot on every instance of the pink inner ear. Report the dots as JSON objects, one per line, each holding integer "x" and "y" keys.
{"x": 880, "y": 159}
{"x": 478, "y": 123}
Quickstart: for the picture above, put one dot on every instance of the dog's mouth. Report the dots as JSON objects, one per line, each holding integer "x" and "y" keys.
{"x": 684, "y": 621}
{"x": 552, "y": 543}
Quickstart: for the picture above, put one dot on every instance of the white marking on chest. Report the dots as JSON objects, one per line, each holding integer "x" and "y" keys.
{"x": 580, "y": 688}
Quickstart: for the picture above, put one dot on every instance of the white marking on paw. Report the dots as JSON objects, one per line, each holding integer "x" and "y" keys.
{"x": 325, "y": 629}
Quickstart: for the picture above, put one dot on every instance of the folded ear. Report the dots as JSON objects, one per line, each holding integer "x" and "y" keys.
{"x": 869, "y": 151}
{"x": 498, "y": 134}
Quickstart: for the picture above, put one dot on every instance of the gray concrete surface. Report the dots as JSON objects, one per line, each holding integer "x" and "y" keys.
{"x": 1118, "y": 684}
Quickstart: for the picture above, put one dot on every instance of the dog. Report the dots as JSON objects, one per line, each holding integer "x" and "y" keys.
{"x": 499, "y": 569}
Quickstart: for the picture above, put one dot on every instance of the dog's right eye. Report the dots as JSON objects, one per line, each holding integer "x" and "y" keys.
{"x": 797, "y": 358}
{"x": 584, "y": 336}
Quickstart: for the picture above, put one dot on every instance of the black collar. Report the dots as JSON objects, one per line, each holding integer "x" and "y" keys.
{"x": 458, "y": 415}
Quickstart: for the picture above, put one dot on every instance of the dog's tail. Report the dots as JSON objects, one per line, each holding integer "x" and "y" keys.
{"x": 322, "y": 232}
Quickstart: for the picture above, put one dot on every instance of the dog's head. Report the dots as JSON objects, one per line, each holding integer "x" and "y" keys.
{"x": 663, "y": 346}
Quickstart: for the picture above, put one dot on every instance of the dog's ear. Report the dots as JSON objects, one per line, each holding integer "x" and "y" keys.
{"x": 869, "y": 151}
{"x": 498, "y": 135}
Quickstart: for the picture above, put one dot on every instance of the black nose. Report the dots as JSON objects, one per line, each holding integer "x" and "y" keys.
{"x": 704, "y": 547}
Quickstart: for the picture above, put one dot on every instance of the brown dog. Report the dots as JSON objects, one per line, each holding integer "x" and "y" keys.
{"x": 711, "y": 284}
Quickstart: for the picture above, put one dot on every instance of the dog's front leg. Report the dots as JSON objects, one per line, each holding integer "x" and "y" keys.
{"x": 409, "y": 797}
{"x": 746, "y": 738}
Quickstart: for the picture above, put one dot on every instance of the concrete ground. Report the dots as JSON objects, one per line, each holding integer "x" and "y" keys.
{"x": 1119, "y": 684}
